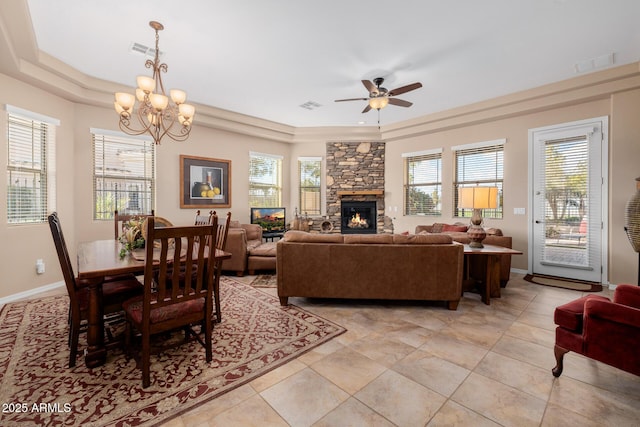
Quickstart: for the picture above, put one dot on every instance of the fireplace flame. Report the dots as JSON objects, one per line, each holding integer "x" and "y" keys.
{"x": 357, "y": 222}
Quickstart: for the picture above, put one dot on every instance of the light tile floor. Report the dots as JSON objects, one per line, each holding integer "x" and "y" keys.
{"x": 403, "y": 364}
{"x": 423, "y": 365}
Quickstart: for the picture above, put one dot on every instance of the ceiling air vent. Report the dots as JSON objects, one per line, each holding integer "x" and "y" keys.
{"x": 310, "y": 105}
{"x": 144, "y": 50}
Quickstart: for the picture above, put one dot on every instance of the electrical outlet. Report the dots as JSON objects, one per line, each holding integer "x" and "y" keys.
{"x": 39, "y": 266}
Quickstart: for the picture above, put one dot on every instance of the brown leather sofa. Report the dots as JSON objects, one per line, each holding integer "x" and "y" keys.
{"x": 373, "y": 266}
{"x": 242, "y": 238}
{"x": 477, "y": 268}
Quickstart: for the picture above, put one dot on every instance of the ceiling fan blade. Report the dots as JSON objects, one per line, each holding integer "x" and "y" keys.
{"x": 352, "y": 99}
{"x": 367, "y": 109}
{"x": 370, "y": 86}
{"x": 405, "y": 89}
{"x": 400, "y": 102}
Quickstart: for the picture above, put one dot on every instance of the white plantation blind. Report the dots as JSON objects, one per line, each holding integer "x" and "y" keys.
{"x": 309, "y": 173}
{"x": 265, "y": 180}
{"x": 423, "y": 183}
{"x": 479, "y": 164}
{"x": 31, "y": 180}
{"x": 123, "y": 174}
{"x": 566, "y": 163}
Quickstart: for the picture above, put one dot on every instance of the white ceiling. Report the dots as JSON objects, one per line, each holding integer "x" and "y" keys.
{"x": 266, "y": 58}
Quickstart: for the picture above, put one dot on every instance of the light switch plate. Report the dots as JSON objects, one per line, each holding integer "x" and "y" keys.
{"x": 519, "y": 211}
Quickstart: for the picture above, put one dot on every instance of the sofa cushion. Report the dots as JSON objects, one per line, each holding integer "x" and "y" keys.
{"x": 303, "y": 236}
{"x": 266, "y": 249}
{"x": 251, "y": 244}
{"x": 234, "y": 224}
{"x": 569, "y": 315}
{"x": 368, "y": 238}
{"x": 421, "y": 239}
{"x": 455, "y": 227}
{"x": 254, "y": 231}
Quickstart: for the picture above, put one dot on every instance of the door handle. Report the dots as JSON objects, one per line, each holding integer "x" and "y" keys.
{"x": 538, "y": 222}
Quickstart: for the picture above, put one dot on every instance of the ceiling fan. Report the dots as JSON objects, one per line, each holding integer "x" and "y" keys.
{"x": 379, "y": 96}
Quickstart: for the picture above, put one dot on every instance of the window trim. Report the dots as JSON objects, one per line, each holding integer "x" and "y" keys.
{"x": 319, "y": 186}
{"x": 148, "y": 141}
{"x": 277, "y": 186}
{"x": 478, "y": 147}
{"x": 47, "y": 170}
{"x": 432, "y": 154}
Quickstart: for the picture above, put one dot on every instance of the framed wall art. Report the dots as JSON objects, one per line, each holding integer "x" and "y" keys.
{"x": 205, "y": 183}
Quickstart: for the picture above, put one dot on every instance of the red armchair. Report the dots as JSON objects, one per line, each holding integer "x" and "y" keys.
{"x": 604, "y": 330}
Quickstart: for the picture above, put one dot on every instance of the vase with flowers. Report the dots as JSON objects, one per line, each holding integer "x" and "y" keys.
{"x": 131, "y": 237}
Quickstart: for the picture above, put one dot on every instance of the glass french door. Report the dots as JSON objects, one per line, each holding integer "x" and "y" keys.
{"x": 567, "y": 200}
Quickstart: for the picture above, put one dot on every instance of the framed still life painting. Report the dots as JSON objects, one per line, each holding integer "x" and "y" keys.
{"x": 205, "y": 182}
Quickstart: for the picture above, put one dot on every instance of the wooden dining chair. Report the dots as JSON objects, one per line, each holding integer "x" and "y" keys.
{"x": 203, "y": 219}
{"x": 169, "y": 301}
{"x": 114, "y": 292}
{"x": 120, "y": 219}
{"x": 222, "y": 231}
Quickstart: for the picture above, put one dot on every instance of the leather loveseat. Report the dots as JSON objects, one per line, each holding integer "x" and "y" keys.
{"x": 369, "y": 266}
{"x": 458, "y": 233}
{"x": 242, "y": 238}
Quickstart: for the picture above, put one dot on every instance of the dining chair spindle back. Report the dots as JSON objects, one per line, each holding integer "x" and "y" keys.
{"x": 119, "y": 220}
{"x": 170, "y": 301}
{"x": 222, "y": 232}
{"x": 114, "y": 292}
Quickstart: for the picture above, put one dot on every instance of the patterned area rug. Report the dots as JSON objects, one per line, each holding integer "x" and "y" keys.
{"x": 37, "y": 388}
{"x": 558, "y": 282}
{"x": 265, "y": 281}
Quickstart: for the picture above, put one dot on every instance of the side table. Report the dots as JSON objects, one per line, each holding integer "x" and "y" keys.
{"x": 271, "y": 236}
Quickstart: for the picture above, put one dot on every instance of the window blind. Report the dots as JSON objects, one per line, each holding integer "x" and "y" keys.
{"x": 265, "y": 180}
{"x": 309, "y": 173}
{"x": 123, "y": 174}
{"x": 479, "y": 164}
{"x": 31, "y": 159}
{"x": 566, "y": 190}
{"x": 423, "y": 183}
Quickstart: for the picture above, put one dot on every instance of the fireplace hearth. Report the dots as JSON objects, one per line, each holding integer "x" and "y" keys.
{"x": 358, "y": 217}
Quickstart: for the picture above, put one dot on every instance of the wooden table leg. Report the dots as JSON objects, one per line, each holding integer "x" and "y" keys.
{"x": 492, "y": 277}
{"x": 96, "y": 354}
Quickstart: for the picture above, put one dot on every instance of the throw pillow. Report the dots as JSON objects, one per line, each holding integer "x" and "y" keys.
{"x": 437, "y": 227}
{"x": 447, "y": 227}
{"x": 494, "y": 232}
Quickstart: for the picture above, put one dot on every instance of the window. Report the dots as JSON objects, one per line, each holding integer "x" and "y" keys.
{"x": 123, "y": 174}
{"x": 479, "y": 164}
{"x": 309, "y": 173}
{"x": 423, "y": 183}
{"x": 265, "y": 180}
{"x": 30, "y": 166}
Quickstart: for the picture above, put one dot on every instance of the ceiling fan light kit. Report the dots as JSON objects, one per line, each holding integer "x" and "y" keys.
{"x": 156, "y": 113}
{"x": 380, "y": 97}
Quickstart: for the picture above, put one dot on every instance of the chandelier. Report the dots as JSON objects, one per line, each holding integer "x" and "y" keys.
{"x": 155, "y": 113}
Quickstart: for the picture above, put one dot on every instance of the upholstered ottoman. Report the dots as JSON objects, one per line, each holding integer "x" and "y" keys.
{"x": 262, "y": 257}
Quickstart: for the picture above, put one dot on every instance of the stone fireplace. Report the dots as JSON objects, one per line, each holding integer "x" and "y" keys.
{"x": 355, "y": 173}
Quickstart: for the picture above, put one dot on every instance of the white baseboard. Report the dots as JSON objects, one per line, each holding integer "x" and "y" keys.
{"x": 31, "y": 292}
{"x": 519, "y": 271}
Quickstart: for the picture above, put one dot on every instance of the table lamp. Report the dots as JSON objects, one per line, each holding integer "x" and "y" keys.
{"x": 477, "y": 198}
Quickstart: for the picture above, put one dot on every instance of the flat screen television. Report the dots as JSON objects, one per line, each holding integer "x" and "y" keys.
{"x": 272, "y": 220}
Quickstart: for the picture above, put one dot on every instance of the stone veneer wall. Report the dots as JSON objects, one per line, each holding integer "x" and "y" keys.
{"x": 353, "y": 167}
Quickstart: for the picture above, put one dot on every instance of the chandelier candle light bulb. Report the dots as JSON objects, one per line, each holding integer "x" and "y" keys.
{"x": 156, "y": 114}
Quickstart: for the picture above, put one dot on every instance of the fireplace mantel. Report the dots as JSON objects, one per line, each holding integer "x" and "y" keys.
{"x": 361, "y": 193}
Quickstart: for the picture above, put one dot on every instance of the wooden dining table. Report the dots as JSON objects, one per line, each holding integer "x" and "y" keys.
{"x": 96, "y": 260}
